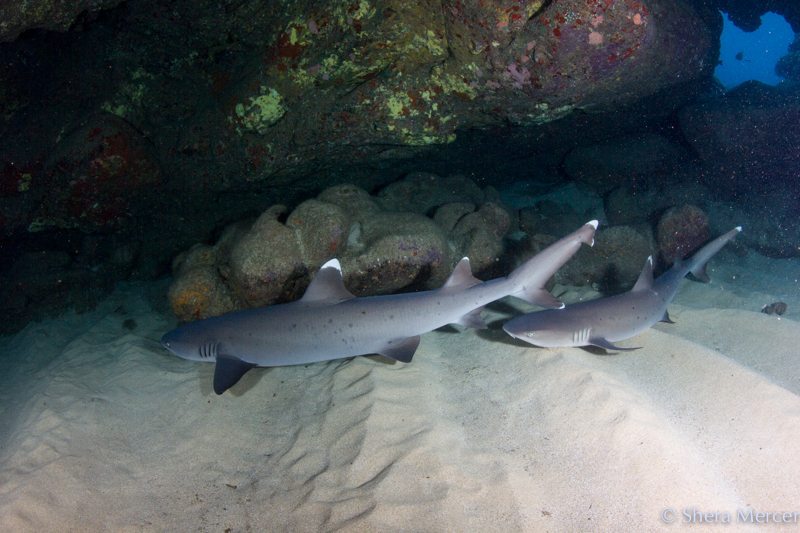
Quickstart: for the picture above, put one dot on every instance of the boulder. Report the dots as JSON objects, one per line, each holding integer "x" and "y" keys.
{"x": 636, "y": 205}
{"x": 641, "y": 160}
{"x": 266, "y": 265}
{"x": 321, "y": 229}
{"x": 17, "y": 17}
{"x": 99, "y": 174}
{"x": 401, "y": 250}
{"x": 681, "y": 231}
{"x": 613, "y": 264}
{"x": 381, "y": 251}
{"x": 747, "y": 140}
{"x": 420, "y": 192}
{"x": 549, "y": 218}
{"x": 479, "y": 235}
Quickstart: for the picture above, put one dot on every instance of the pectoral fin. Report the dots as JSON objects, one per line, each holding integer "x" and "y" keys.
{"x": 542, "y": 298}
{"x": 666, "y": 318}
{"x": 401, "y": 349}
{"x": 473, "y": 319}
{"x": 228, "y": 371}
{"x": 603, "y": 343}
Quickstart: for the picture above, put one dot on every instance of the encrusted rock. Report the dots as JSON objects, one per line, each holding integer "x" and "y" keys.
{"x": 199, "y": 290}
{"x": 635, "y": 205}
{"x": 101, "y": 170}
{"x": 266, "y": 263}
{"x": 17, "y": 17}
{"x": 681, "y": 231}
{"x": 549, "y": 218}
{"x": 353, "y": 200}
{"x": 480, "y": 234}
{"x": 198, "y": 256}
{"x": 393, "y": 262}
{"x": 747, "y": 140}
{"x": 770, "y": 234}
{"x": 199, "y": 293}
{"x": 775, "y": 308}
{"x": 409, "y": 246}
{"x": 269, "y": 261}
{"x": 321, "y": 229}
{"x": 641, "y": 159}
{"x": 448, "y": 215}
{"x": 613, "y": 263}
{"x": 419, "y": 192}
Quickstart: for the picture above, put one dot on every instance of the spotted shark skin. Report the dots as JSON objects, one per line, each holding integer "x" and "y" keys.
{"x": 329, "y": 322}
{"x": 604, "y": 321}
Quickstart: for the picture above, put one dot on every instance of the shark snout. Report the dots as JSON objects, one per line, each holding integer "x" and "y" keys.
{"x": 516, "y": 332}
{"x": 174, "y": 342}
{"x": 533, "y": 330}
{"x": 166, "y": 341}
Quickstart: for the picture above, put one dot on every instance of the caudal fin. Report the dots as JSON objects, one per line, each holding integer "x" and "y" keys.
{"x": 529, "y": 278}
{"x": 697, "y": 264}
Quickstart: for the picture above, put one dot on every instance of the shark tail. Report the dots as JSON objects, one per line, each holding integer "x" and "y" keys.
{"x": 697, "y": 264}
{"x": 528, "y": 280}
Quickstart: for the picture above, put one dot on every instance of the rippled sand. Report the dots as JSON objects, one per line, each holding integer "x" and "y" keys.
{"x": 100, "y": 429}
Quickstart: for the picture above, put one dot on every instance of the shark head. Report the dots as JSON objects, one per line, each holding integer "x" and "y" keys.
{"x": 188, "y": 343}
{"x": 541, "y": 338}
{"x": 539, "y": 329}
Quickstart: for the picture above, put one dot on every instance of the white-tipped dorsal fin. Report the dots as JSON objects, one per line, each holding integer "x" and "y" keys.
{"x": 328, "y": 285}
{"x": 462, "y": 277}
{"x": 645, "y": 281}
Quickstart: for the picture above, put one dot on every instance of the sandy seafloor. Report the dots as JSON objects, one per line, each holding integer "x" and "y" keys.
{"x": 101, "y": 429}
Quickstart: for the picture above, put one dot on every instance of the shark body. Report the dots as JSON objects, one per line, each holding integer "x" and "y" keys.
{"x": 329, "y": 322}
{"x": 603, "y": 321}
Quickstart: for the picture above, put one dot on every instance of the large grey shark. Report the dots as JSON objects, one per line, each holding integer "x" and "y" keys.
{"x": 329, "y": 322}
{"x": 603, "y": 321}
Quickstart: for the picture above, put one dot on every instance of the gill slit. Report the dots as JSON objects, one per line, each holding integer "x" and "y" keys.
{"x": 208, "y": 350}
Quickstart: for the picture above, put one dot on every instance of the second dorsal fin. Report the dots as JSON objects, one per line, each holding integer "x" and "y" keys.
{"x": 328, "y": 285}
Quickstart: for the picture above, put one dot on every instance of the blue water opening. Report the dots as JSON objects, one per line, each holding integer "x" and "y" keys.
{"x": 752, "y": 55}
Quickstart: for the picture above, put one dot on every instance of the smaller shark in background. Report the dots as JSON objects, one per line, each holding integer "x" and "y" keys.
{"x": 329, "y": 322}
{"x": 604, "y": 321}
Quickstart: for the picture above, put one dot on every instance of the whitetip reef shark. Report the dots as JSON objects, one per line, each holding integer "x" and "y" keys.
{"x": 603, "y": 321}
{"x": 329, "y": 322}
